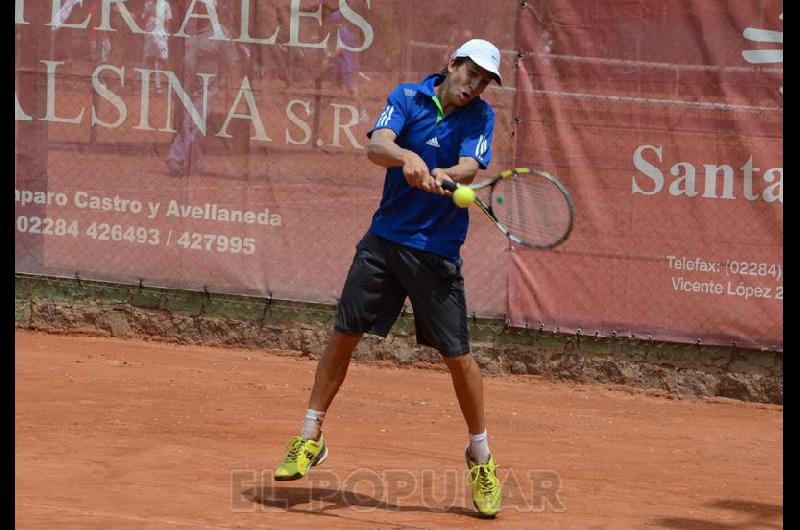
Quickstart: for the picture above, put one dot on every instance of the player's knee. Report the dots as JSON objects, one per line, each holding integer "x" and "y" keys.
{"x": 343, "y": 343}
{"x": 460, "y": 362}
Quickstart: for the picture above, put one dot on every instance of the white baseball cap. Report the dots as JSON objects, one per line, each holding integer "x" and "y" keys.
{"x": 484, "y": 54}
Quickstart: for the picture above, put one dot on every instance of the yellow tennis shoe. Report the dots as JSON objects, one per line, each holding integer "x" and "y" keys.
{"x": 486, "y": 494}
{"x": 302, "y": 455}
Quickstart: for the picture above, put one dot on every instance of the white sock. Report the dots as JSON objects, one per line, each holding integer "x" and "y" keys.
{"x": 479, "y": 447}
{"x": 312, "y": 424}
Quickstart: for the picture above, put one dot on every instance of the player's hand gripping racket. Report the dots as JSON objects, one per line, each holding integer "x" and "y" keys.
{"x": 530, "y": 207}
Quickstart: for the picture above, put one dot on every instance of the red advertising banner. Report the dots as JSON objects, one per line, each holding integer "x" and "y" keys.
{"x": 665, "y": 120}
{"x": 219, "y": 144}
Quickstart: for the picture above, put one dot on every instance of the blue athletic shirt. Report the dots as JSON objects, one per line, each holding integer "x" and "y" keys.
{"x": 413, "y": 217}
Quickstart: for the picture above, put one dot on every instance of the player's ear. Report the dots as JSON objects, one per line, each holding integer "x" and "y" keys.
{"x": 451, "y": 66}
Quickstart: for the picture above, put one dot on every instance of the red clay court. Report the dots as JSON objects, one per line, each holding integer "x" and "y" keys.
{"x": 137, "y": 434}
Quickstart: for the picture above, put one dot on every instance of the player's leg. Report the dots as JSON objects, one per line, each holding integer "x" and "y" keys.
{"x": 309, "y": 448}
{"x": 468, "y": 384}
{"x": 371, "y": 300}
{"x": 436, "y": 290}
{"x": 332, "y": 369}
{"x": 330, "y": 373}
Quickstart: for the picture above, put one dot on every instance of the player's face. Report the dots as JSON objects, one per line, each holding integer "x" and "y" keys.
{"x": 467, "y": 81}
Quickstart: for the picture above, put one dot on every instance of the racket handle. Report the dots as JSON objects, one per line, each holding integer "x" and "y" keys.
{"x": 449, "y": 185}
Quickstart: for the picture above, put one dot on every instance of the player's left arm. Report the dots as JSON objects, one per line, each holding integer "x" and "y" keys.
{"x": 464, "y": 172}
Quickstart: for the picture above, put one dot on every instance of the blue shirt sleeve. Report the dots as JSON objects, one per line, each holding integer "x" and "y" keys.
{"x": 477, "y": 139}
{"x": 393, "y": 115}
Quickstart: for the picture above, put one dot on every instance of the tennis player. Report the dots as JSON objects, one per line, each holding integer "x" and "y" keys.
{"x": 430, "y": 132}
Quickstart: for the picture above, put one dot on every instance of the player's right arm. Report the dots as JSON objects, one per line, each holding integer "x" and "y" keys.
{"x": 384, "y": 151}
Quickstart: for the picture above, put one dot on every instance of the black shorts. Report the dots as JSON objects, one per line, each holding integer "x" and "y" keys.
{"x": 383, "y": 274}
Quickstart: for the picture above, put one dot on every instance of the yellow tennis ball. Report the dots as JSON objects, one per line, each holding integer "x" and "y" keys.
{"x": 464, "y": 196}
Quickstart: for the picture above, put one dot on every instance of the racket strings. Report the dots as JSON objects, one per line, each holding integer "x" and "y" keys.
{"x": 533, "y": 209}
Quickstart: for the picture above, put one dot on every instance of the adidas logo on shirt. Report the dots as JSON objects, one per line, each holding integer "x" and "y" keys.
{"x": 433, "y": 141}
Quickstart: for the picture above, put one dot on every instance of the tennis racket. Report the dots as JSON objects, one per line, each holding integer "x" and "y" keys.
{"x": 530, "y": 207}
